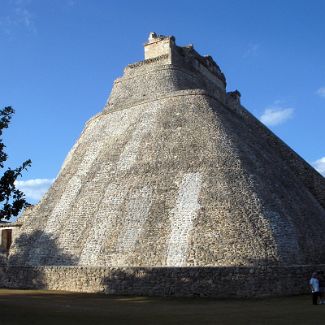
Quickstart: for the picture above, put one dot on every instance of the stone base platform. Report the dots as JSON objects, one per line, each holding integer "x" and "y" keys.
{"x": 220, "y": 282}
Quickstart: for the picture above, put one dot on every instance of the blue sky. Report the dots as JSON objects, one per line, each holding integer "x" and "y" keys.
{"x": 59, "y": 58}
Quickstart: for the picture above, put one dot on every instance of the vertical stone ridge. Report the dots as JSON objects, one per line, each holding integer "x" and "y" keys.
{"x": 106, "y": 217}
{"x": 182, "y": 217}
{"x": 138, "y": 208}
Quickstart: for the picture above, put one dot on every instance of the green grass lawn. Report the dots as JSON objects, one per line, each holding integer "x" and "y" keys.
{"x": 49, "y": 307}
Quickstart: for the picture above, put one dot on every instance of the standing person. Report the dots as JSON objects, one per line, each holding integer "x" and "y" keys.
{"x": 321, "y": 280}
{"x": 314, "y": 285}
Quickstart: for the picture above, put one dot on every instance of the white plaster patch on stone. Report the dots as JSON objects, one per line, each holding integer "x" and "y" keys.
{"x": 129, "y": 155}
{"x": 91, "y": 132}
{"x": 60, "y": 210}
{"x": 80, "y": 217}
{"x": 104, "y": 222}
{"x": 104, "y": 128}
{"x": 112, "y": 125}
{"x": 285, "y": 236}
{"x": 119, "y": 121}
{"x": 94, "y": 129}
{"x": 99, "y": 133}
{"x": 56, "y": 218}
{"x": 69, "y": 156}
{"x": 182, "y": 217}
{"x": 89, "y": 159}
{"x": 138, "y": 208}
{"x": 59, "y": 213}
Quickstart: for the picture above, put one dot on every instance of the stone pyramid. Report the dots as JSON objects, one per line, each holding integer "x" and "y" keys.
{"x": 175, "y": 172}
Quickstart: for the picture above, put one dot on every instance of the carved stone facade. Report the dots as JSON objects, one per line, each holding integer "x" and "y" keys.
{"x": 173, "y": 173}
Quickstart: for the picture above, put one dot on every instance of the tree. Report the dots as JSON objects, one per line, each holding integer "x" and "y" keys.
{"x": 12, "y": 200}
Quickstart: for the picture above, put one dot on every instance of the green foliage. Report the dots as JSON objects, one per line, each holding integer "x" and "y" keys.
{"x": 12, "y": 200}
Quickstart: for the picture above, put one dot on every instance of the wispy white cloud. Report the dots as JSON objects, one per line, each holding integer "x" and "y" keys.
{"x": 252, "y": 50}
{"x": 34, "y": 189}
{"x": 18, "y": 15}
{"x": 319, "y": 165}
{"x": 321, "y": 92}
{"x": 276, "y": 114}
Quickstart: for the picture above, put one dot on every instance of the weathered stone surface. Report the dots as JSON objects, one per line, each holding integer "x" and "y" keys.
{"x": 174, "y": 172}
{"x": 218, "y": 282}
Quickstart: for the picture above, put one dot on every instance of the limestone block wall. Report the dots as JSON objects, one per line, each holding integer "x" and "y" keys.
{"x": 172, "y": 175}
{"x": 308, "y": 176}
{"x": 170, "y": 182}
{"x": 221, "y": 282}
{"x": 158, "y": 79}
